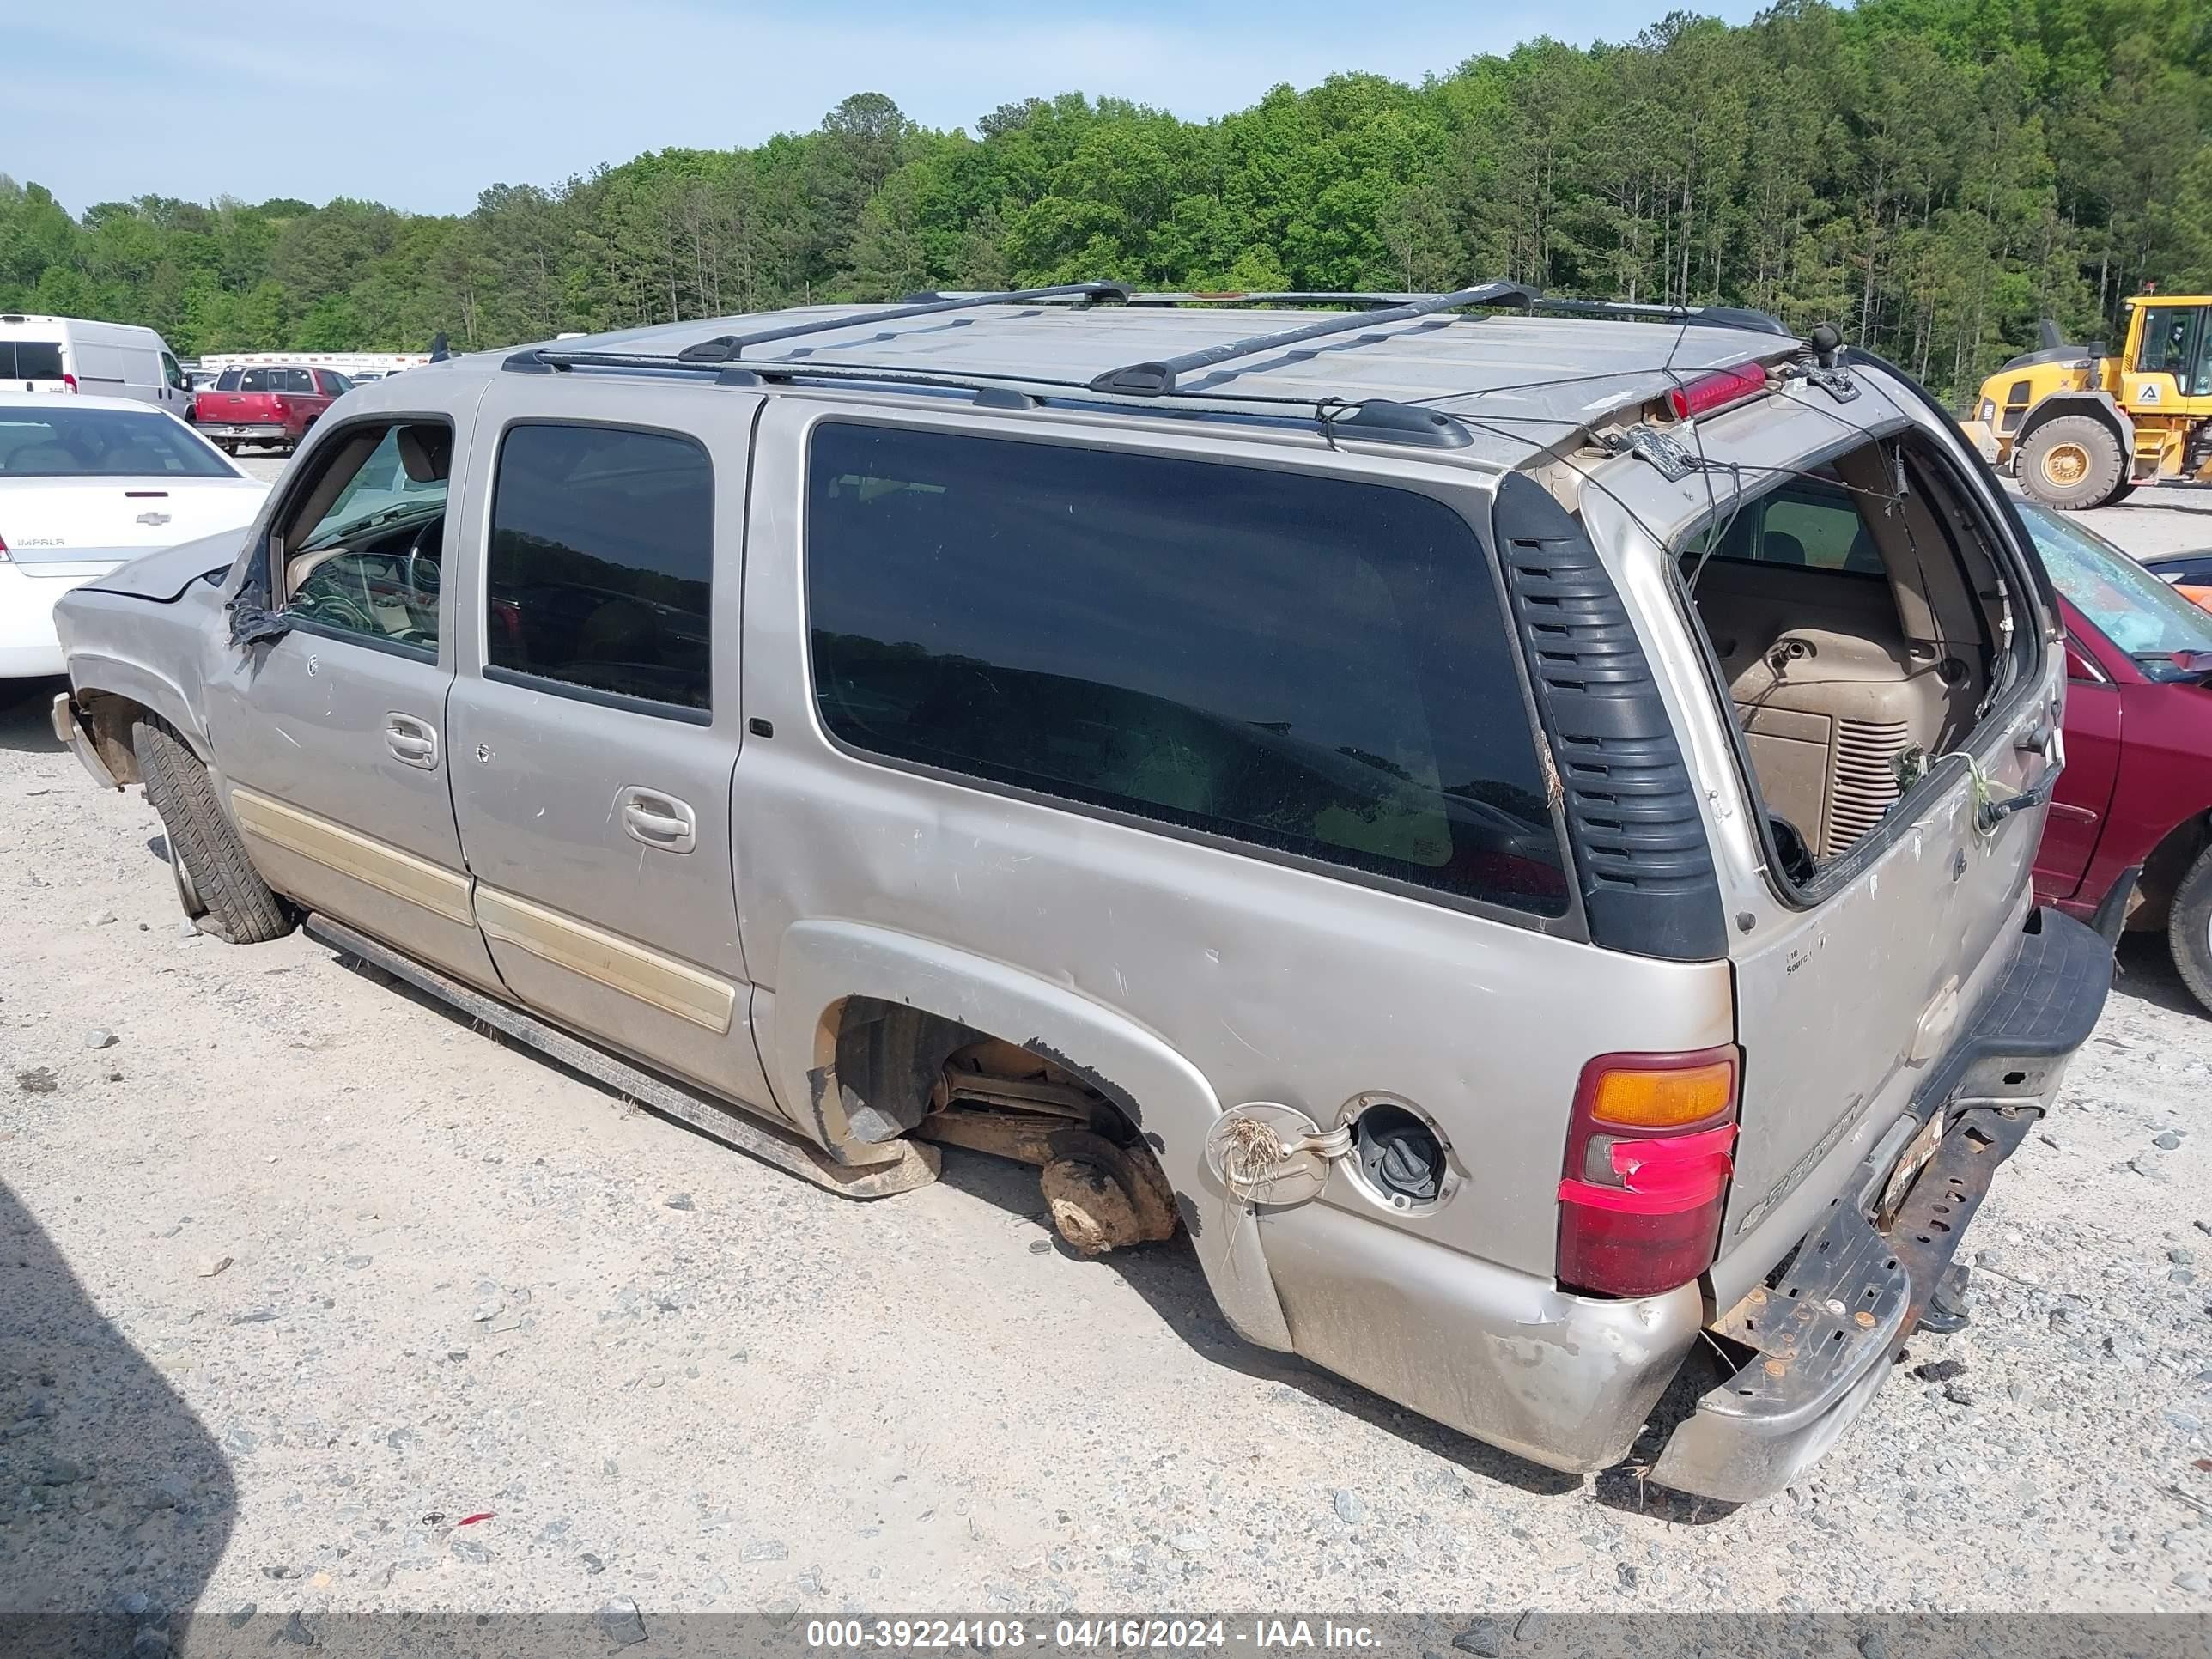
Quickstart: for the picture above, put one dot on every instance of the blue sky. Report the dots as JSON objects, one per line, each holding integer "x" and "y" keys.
{"x": 420, "y": 103}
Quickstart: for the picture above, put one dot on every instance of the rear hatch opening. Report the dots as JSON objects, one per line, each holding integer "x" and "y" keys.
{"x": 1862, "y": 626}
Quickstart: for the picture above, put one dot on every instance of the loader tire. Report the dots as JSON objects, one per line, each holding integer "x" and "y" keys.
{"x": 2073, "y": 463}
{"x": 2189, "y": 929}
{"x": 216, "y": 883}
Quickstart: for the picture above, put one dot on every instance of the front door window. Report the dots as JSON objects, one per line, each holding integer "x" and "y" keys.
{"x": 367, "y": 565}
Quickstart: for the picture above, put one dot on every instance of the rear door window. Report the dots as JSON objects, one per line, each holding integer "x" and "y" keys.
{"x": 296, "y": 380}
{"x": 601, "y": 564}
{"x": 30, "y": 359}
{"x": 1311, "y": 665}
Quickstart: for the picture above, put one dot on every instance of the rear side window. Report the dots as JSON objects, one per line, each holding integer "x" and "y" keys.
{"x": 30, "y": 359}
{"x": 602, "y": 563}
{"x": 295, "y": 380}
{"x": 1306, "y": 664}
{"x": 1808, "y": 527}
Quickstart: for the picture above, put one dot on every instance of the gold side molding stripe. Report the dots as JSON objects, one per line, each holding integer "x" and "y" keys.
{"x": 413, "y": 880}
{"x": 618, "y": 964}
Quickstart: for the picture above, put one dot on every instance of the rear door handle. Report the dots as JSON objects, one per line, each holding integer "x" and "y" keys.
{"x": 659, "y": 821}
{"x": 2049, "y": 741}
{"x": 413, "y": 742}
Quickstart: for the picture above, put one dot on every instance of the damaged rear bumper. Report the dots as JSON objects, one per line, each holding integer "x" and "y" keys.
{"x": 1827, "y": 1330}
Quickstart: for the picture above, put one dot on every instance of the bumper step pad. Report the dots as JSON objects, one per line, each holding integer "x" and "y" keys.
{"x": 1826, "y": 1334}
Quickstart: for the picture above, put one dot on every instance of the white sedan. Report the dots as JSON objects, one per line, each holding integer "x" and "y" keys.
{"x": 86, "y": 483}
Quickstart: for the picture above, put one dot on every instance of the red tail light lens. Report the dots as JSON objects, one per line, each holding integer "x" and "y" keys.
{"x": 1647, "y": 1171}
{"x": 70, "y": 380}
{"x": 1710, "y": 391}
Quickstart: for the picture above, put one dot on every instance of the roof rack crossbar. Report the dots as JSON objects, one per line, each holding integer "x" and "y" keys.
{"x": 1158, "y": 378}
{"x": 727, "y": 346}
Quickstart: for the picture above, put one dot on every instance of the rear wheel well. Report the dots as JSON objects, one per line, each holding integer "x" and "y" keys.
{"x": 891, "y": 1063}
{"x": 2163, "y": 870}
{"x": 2060, "y": 404}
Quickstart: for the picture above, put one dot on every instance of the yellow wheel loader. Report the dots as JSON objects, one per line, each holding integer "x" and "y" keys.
{"x": 2081, "y": 427}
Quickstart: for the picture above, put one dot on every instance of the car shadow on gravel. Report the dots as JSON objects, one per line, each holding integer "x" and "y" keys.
{"x": 115, "y": 1500}
{"x": 1173, "y": 1284}
{"x": 2146, "y": 970}
{"x": 24, "y": 724}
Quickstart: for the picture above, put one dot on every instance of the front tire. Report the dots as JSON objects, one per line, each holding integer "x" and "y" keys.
{"x": 2189, "y": 929}
{"x": 206, "y": 858}
{"x": 2073, "y": 463}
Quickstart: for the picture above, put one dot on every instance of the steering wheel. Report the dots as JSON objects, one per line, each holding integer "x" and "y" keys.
{"x": 422, "y": 556}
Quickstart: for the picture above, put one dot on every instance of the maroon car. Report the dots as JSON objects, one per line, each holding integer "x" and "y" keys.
{"x": 272, "y": 403}
{"x": 2137, "y": 786}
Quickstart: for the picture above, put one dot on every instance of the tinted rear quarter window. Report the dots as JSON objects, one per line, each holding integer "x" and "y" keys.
{"x": 1309, "y": 665}
{"x": 601, "y": 571}
{"x": 30, "y": 359}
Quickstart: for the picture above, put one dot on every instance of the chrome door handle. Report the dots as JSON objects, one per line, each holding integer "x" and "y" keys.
{"x": 413, "y": 742}
{"x": 659, "y": 821}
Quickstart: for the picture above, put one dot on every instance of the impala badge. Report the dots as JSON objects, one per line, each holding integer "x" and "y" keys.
{"x": 152, "y": 518}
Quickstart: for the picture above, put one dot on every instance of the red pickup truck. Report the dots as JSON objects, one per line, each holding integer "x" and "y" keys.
{"x": 274, "y": 405}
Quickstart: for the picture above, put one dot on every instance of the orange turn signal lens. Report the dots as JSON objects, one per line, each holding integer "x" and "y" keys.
{"x": 1664, "y": 1099}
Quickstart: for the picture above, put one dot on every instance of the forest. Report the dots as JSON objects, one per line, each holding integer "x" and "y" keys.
{"x": 1933, "y": 176}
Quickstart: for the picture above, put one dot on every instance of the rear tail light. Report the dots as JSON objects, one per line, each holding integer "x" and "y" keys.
{"x": 1711, "y": 392}
{"x": 1647, "y": 1171}
{"x": 70, "y": 380}
{"x": 3, "y": 551}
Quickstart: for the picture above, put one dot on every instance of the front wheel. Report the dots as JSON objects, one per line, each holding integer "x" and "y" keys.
{"x": 2189, "y": 929}
{"x": 2073, "y": 463}
{"x": 216, "y": 883}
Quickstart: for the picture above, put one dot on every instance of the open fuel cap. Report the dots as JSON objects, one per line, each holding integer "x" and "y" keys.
{"x": 1265, "y": 1153}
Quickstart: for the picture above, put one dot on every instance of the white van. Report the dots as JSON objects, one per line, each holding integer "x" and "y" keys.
{"x": 109, "y": 360}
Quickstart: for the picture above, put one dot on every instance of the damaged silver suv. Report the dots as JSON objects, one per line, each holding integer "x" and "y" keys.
{"x": 1509, "y": 822}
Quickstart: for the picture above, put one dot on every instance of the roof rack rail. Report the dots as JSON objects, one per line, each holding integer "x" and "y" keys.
{"x": 1759, "y": 322}
{"x": 1158, "y": 378}
{"x": 725, "y": 347}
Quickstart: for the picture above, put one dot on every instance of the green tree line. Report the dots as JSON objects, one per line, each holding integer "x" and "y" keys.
{"x": 1932, "y": 175}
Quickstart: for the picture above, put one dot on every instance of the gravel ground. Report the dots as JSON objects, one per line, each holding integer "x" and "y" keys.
{"x": 317, "y": 1298}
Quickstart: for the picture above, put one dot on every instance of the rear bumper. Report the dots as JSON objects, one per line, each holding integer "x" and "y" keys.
{"x": 1826, "y": 1331}
{"x": 251, "y": 432}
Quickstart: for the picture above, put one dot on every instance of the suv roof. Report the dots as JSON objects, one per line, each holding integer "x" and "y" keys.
{"x": 1537, "y": 376}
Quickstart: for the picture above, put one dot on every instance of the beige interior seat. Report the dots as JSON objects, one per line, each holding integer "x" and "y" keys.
{"x": 1829, "y": 691}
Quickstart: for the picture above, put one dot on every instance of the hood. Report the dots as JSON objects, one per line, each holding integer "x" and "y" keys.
{"x": 166, "y": 575}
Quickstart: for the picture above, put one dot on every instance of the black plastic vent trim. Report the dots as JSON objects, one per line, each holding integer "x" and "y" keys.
{"x": 1648, "y": 883}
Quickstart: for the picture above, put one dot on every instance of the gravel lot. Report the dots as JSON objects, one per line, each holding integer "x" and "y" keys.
{"x": 301, "y": 1272}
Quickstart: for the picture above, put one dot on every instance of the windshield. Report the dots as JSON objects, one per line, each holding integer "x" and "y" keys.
{"x": 72, "y": 441}
{"x": 380, "y": 492}
{"x": 2131, "y": 607}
